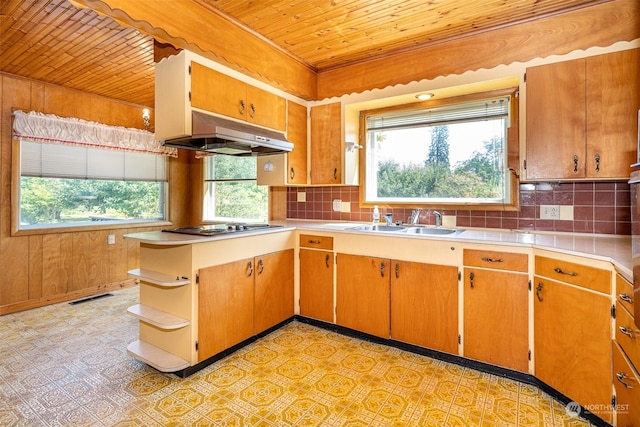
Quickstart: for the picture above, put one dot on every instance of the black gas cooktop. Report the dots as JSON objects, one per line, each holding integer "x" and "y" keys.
{"x": 220, "y": 229}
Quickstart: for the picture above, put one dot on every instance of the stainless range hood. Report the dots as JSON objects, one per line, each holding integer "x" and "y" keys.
{"x": 221, "y": 136}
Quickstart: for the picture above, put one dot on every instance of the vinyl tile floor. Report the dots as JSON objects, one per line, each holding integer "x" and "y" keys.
{"x": 67, "y": 365}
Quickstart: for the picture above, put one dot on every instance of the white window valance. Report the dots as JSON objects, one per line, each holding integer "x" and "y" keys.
{"x": 52, "y": 129}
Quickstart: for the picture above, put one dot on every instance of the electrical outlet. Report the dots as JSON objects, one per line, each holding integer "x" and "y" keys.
{"x": 302, "y": 196}
{"x": 111, "y": 239}
{"x": 337, "y": 205}
{"x": 549, "y": 211}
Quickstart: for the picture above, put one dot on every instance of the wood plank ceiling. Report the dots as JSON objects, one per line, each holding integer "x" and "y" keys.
{"x": 55, "y": 42}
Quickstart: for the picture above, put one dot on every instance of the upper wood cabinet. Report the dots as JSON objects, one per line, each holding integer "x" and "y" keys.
{"x": 582, "y": 117}
{"x": 327, "y": 147}
{"x": 184, "y": 82}
{"x": 297, "y": 135}
{"x": 216, "y": 92}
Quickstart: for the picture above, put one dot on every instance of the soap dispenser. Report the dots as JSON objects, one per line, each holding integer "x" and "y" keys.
{"x": 376, "y": 214}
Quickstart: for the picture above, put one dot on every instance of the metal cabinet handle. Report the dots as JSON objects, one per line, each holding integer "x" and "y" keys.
{"x": 335, "y": 174}
{"x": 538, "y": 290}
{"x": 261, "y": 266}
{"x": 382, "y": 269}
{"x": 597, "y": 158}
{"x": 253, "y": 110}
{"x": 626, "y": 298}
{"x": 242, "y": 107}
{"x": 630, "y": 332}
{"x": 575, "y": 163}
{"x": 487, "y": 259}
{"x": 561, "y": 271}
{"x": 292, "y": 174}
{"x": 472, "y": 276}
{"x": 397, "y": 271}
{"x": 250, "y": 268}
{"x": 313, "y": 242}
{"x": 326, "y": 260}
{"x": 621, "y": 376}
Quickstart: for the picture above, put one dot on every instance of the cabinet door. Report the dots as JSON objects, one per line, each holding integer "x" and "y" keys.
{"x": 217, "y": 92}
{"x": 613, "y": 100}
{"x": 266, "y": 109}
{"x": 424, "y": 305}
{"x": 556, "y": 121}
{"x": 362, "y": 294}
{"x": 225, "y": 306}
{"x": 572, "y": 342}
{"x": 327, "y": 147}
{"x": 297, "y": 134}
{"x": 273, "y": 289}
{"x": 496, "y": 318}
{"x": 316, "y": 284}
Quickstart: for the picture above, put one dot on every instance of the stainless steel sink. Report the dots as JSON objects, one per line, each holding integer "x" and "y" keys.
{"x": 433, "y": 231}
{"x": 380, "y": 227}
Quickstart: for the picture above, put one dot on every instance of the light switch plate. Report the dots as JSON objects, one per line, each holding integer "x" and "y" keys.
{"x": 346, "y": 207}
{"x": 337, "y": 205}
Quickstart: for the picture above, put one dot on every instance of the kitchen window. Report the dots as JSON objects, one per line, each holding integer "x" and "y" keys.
{"x": 231, "y": 191}
{"x": 63, "y": 186}
{"x": 441, "y": 154}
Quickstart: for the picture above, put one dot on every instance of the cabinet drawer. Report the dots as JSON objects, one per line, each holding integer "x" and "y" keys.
{"x": 624, "y": 293}
{"x": 496, "y": 260}
{"x": 628, "y": 335}
{"x": 577, "y": 274}
{"x": 317, "y": 242}
{"x": 627, "y": 385}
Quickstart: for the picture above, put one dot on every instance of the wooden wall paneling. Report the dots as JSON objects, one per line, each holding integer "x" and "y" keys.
{"x": 118, "y": 257}
{"x": 55, "y": 277}
{"x": 35, "y": 261}
{"x": 98, "y": 258}
{"x": 81, "y": 261}
{"x": 599, "y": 25}
{"x": 14, "y": 256}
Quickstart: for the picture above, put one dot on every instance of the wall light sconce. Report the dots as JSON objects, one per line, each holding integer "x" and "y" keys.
{"x": 424, "y": 96}
{"x": 352, "y": 146}
{"x": 268, "y": 167}
{"x": 146, "y": 117}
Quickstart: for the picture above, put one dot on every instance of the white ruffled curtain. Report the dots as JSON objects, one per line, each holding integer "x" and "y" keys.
{"x": 52, "y": 129}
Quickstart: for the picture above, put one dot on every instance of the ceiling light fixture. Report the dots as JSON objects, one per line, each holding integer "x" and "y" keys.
{"x": 424, "y": 96}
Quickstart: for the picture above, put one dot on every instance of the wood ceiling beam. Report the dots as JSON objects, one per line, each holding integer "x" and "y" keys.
{"x": 188, "y": 25}
{"x": 600, "y": 25}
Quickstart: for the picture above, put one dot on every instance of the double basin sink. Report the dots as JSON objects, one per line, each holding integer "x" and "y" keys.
{"x": 409, "y": 229}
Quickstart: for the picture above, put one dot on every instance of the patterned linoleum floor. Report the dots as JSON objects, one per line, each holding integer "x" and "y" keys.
{"x": 66, "y": 365}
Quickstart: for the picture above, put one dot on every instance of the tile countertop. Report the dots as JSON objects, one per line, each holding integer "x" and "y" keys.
{"x": 612, "y": 248}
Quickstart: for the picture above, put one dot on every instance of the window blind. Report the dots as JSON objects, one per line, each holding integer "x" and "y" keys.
{"x": 72, "y": 161}
{"x": 487, "y": 109}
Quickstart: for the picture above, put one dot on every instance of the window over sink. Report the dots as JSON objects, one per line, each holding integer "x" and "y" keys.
{"x": 446, "y": 153}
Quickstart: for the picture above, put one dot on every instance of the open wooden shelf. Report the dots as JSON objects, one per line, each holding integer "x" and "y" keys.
{"x": 153, "y": 356}
{"x": 156, "y": 278}
{"x": 158, "y": 318}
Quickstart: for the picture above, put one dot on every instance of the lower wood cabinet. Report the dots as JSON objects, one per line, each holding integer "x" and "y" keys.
{"x": 496, "y": 286}
{"x": 273, "y": 289}
{"x": 225, "y": 306}
{"x": 496, "y": 317}
{"x": 572, "y": 330}
{"x": 241, "y": 299}
{"x": 316, "y": 284}
{"x": 424, "y": 305}
{"x": 362, "y": 294}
